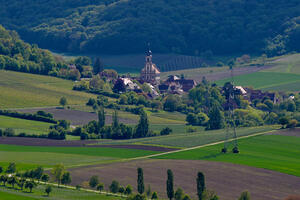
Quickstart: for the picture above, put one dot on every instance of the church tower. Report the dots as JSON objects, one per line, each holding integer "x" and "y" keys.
{"x": 150, "y": 72}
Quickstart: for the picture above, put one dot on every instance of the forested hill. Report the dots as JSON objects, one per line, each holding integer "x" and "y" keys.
{"x": 126, "y": 26}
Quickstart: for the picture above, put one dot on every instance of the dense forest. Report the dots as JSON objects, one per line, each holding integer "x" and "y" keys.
{"x": 187, "y": 27}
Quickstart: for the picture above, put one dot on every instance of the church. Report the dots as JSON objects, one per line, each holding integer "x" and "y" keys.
{"x": 150, "y": 73}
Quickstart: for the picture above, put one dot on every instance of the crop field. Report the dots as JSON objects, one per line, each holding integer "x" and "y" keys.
{"x": 267, "y": 80}
{"x": 19, "y": 90}
{"x": 57, "y": 193}
{"x": 23, "y": 125}
{"x": 274, "y": 152}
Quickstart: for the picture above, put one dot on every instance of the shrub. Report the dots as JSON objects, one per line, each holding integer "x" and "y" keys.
{"x": 166, "y": 131}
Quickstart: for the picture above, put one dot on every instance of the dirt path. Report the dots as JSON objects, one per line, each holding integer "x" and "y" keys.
{"x": 228, "y": 180}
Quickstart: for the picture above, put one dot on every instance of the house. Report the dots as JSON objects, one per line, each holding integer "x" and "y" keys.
{"x": 176, "y": 85}
{"x": 258, "y": 94}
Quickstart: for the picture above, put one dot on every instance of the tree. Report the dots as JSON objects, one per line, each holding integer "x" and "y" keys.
{"x": 283, "y": 121}
{"x": 119, "y": 86}
{"x": 166, "y": 131}
{"x": 48, "y": 190}
{"x": 98, "y": 66}
{"x": 170, "y": 184}
{"x": 128, "y": 190}
{"x": 100, "y": 187}
{"x": 30, "y": 185}
{"x": 148, "y": 191}
{"x": 216, "y": 119}
{"x": 179, "y": 194}
{"x": 154, "y": 195}
{"x": 186, "y": 197}
{"x": 3, "y": 179}
{"x": 1, "y": 169}
{"x": 140, "y": 181}
{"x": 45, "y": 178}
{"x": 11, "y": 168}
{"x": 245, "y": 196}
{"x": 63, "y": 101}
{"x": 94, "y": 181}
{"x": 200, "y": 185}
{"x": 38, "y": 172}
{"x": 101, "y": 117}
{"x": 66, "y": 178}
{"x": 114, "y": 186}
{"x": 171, "y": 103}
{"x": 142, "y": 128}
{"x": 121, "y": 189}
{"x": 12, "y": 181}
{"x": 58, "y": 171}
{"x": 21, "y": 183}
{"x": 115, "y": 120}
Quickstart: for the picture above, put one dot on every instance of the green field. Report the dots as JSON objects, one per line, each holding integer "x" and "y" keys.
{"x": 20, "y": 90}
{"x": 274, "y": 152}
{"x": 31, "y": 156}
{"x": 23, "y": 125}
{"x": 57, "y": 193}
{"x": 267, "y": 81}
{"x": 190, "y": 139}
{"x": 286, "y": 64}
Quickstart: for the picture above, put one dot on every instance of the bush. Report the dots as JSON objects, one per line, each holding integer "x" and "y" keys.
{"x": 45, "y": 117}
{"x": 166, "y": 131}
{"x": 9, "y": 132}
{"x": 190, "y": 129}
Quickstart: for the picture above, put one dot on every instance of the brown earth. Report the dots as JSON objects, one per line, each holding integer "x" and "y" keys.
{"x": 226, "y": 179}
{"x": 288, "y": 132}
{"x": 74, "y": 143}
{"x": 76, "y": 117}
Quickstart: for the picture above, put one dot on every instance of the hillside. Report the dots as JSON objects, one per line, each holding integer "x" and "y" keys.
{"x": 126, "y": 26}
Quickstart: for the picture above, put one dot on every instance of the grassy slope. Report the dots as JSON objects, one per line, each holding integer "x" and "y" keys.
{"x": 20, "y": 90}
{"x": 274, "y": 152}
{"x": 286, "y": 64}
{"x": 57, "y": 193}
{"x": 267, "y": 81}
{"x": 27, "y": 126}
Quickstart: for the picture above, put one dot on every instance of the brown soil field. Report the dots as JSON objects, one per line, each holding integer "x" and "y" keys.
{"x": 76, "y": 117}
{"x": 288, "y": 132}
{"x": 226, "y": 179}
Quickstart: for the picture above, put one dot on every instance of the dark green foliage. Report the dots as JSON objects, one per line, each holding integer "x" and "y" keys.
{"x": 98, "y": 66}
{"x": 245, "y": 196}
{"x": 39, "y": 116}
{"x": 11, "y": 168}
{"x": 100, "y": 187}
{"x": 179, "y": 194}
{"x": 140, "y": 181}
{"x": 200, "y": 185}
{"x": 154, "y": 195}
{"x": 166, "y": 131}
{"x": 101, "y": 117}
{"x": 128, "y": 190}
{"x": 170, "y": 184}
{"x": 63, "y": 101}
{"x": 114, "y": 187}
{"x": 148, "y": 191}
{"x": 45, "y": 178}
{"x": 38, "y": 172}
{"x": 142, "y": 128}
{"x": 171, "y": 103}
{"x": 48, "y": 190}
{"x": 1, "y": 169}
{"x": 30, "y": 185}
{"x": 94, "y": 181}
{"x": 218, "y": 26}
{"x": 66, "y": 178}
{"x": 216, "y": 119}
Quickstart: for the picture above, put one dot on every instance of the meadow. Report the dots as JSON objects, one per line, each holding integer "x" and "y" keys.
{"x": 23, "y": 125}
{"x": 286, "y": 64}
{"x": 267, "y": 81}
{"x": 21, "y": 90}
{"x": 274, "y": 152}
{"x": 27, "y": 157}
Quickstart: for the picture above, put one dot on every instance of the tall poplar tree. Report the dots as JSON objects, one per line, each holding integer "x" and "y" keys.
{"x": 101, "y": 117}
{"x": 143, "y": 126}
{"x": 200, "y": 185}
{"x": 140, "y": 181}
{"x": 170, "y": 184}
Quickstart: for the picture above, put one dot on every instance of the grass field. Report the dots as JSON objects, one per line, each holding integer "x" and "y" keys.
{"x": 31, "y": 156}
{"x": 57, "y": 193}
{"x": 23, "y": 125}
{"x": 274, "y": 152}
{"x": 19, "y": 90}
{"x": 267, "y": 81}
